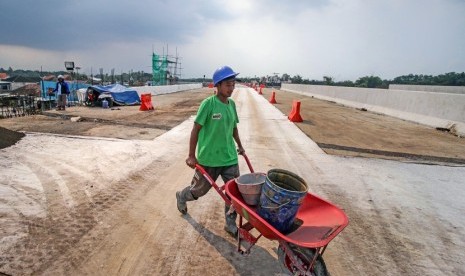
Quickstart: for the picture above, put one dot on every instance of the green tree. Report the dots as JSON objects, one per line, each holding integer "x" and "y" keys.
{"x": 285, "y": 77}
{"x": 328, "y": 80}
{"x": 369, "y": 82}
{"x": 296, "y": 79}
{"x": 346, "y": 83}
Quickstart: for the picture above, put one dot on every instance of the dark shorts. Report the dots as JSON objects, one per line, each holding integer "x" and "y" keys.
{"x": 200, "y": 186}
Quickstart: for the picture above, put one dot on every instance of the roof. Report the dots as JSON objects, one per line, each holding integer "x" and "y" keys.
{"x": 49, "y": 77}
{"x": 23, "y": 79}
{"x": 28, "y": 89}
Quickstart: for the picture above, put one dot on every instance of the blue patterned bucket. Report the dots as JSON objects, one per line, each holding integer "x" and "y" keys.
{"x": 282, "y": 194}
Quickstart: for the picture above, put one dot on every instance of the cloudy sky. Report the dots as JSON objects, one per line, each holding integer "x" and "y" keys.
{"x": 344, "y": 39}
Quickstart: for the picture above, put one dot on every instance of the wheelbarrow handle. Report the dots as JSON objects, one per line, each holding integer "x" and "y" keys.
{"x": 248, "y": 162}
{"x": 210, "y": 180}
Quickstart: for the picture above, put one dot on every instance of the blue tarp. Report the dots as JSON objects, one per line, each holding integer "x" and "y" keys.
{"x": 120, "y": 94}
{"x": 73, "y": 86}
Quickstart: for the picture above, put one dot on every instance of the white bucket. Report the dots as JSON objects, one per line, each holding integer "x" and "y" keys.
{"x": 250, "y": 186}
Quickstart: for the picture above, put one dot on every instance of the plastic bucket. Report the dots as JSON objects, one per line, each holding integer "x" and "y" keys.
{"x": 105, "y": 103}
{"x": 282, "y": 194}
{"x": 250, "y": 186}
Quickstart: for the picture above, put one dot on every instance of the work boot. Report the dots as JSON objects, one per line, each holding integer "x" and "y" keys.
{"x": 182, "y": 197}
{"x": 230, "y": 227}
{"x": 182, "y": 206}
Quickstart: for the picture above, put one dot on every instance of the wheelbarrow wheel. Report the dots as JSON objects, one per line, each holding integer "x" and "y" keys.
{"x": 306, "y": 256}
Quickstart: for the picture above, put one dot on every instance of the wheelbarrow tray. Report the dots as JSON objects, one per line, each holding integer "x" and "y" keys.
{"x": 317, "y": 221}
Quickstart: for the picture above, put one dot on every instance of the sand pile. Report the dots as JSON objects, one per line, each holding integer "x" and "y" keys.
{"x": 9, "y": 137}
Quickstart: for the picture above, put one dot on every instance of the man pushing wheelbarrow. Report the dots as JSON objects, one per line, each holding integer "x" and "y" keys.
{"x": 212, "y": 138}
{"x": 301, "y": 222}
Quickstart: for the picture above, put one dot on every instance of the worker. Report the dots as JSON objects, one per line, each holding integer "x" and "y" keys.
{"x": 62, "y": 92}
{"x": 212, "y": 138}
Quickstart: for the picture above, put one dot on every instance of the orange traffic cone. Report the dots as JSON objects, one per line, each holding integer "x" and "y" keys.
{"x": 273, "y": 98}
{"x": 260, "y": 91}
{"x": 146, "y": 102}
{"x": 294, "y": 115}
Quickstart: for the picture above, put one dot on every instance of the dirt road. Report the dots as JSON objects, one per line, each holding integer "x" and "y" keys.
{"x": 105, "y": 206}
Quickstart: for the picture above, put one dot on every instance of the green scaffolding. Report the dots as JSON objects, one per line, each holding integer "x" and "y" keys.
{"x": 159, "y": 69}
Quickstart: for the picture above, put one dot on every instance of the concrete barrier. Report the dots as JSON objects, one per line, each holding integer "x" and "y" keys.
{"x": 165, "y": 89}
{"x": 439, "y": 110}
{"x": 429, "y": 88}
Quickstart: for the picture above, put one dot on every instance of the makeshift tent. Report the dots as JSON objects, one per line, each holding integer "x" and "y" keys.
{"x": 46, "y": 85}
{"x": 120, "y": 94}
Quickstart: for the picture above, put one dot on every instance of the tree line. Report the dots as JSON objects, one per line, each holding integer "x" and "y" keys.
{"x": 131, "y": 77}
{"x": 447, "y": 79}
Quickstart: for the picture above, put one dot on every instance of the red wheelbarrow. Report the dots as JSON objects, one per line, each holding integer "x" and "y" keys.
{"x": 301, "y": 251}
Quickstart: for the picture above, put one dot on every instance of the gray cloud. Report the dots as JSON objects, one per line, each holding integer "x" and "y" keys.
{"x": 345, "y": 39}
{"x": 60, "y": 25}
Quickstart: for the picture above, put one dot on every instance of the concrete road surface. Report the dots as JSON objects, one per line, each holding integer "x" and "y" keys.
{"x": 91, "y": 206}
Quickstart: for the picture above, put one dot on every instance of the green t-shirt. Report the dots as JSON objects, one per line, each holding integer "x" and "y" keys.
{"x": 215, "y": 146}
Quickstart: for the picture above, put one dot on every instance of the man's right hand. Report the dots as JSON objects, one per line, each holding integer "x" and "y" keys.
{"x": 191, "y": 161}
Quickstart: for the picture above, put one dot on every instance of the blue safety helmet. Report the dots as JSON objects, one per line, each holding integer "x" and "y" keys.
{"x": 223, "y": 73}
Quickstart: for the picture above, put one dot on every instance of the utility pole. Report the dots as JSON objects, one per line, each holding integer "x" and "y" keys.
{"x": 77, "y": 72}
{"x": 101, "y": 76}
